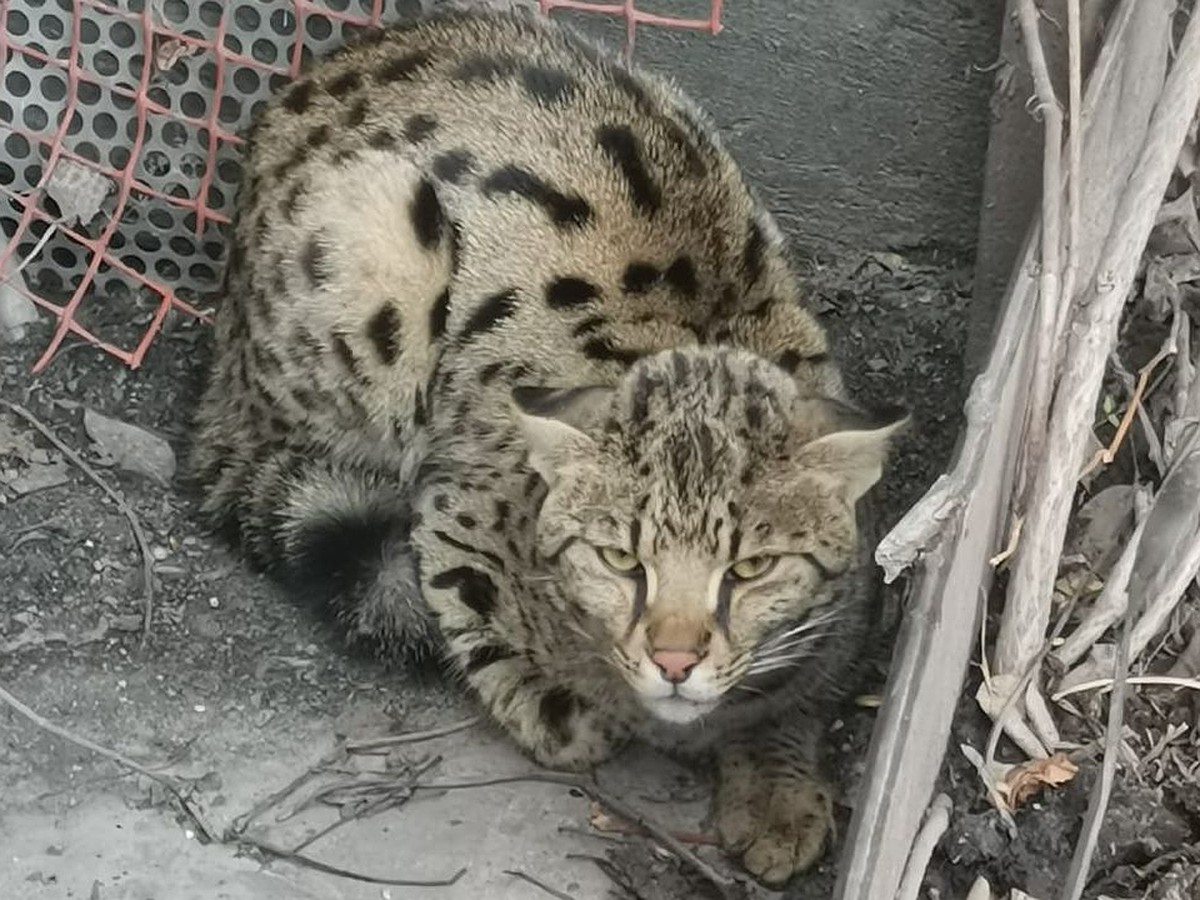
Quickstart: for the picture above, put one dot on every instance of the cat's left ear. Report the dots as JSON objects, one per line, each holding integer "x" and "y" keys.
{"x": 855, "y": 452}
{"x": 554, "y": 422}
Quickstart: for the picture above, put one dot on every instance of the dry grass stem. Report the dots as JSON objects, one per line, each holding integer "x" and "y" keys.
{"x": 1106, "y": 684}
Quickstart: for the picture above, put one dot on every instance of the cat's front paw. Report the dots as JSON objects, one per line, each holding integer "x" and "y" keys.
{"x": 777, "y": 825}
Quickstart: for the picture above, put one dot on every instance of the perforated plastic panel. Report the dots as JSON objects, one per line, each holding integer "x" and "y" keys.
{"x": 119, "y": 122}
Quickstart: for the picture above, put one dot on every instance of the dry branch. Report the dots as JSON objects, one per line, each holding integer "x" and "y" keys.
{"x": 954, "y": 529}
{"x": 1093, "y": 332}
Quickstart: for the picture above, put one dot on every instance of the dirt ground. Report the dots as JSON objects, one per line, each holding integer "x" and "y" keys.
{"x": 238, "y": 692}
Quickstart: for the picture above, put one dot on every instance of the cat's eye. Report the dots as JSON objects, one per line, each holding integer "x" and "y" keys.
{"x": 618, "y": 560}
{"x": 752, "y": 567}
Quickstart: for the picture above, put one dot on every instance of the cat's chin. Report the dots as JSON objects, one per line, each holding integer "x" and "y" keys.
{"x": 677, "y": 710}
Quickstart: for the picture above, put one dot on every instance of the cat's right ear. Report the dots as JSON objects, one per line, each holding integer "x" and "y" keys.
{"x": 553, "y": 422}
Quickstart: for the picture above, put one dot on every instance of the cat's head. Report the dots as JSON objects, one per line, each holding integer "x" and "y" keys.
{"x": 698, "y": 516}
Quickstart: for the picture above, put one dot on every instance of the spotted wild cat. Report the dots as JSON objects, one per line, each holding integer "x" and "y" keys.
{"x": 511, "y": 367}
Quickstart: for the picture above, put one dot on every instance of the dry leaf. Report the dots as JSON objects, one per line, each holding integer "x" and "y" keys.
{"x": 171, "y": 51}
{"x": 78, "y": 191}
{"x": 1025, "y": 780}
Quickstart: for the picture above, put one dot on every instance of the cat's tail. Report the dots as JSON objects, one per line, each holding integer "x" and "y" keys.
{"x": 337, "y": 539}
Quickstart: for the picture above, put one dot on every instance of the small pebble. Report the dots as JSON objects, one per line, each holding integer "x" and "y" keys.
{"x": 214, "y": 602}
{"x": 159, "y": 553}
{"x": 199, "y": 707}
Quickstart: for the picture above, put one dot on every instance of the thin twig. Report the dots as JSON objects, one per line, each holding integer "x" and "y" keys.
{"x": 936, "y": 823}
{"x": 135, "y": 524}
{"x": 652, "y": 828}
{"x": 411, "y": 737}
{"x": 309, "y": 863}
{"x": 243, "y": 821}
{"x": 203, "y": 827}
{"x": 553, "y": 892}
{"x": 396, "y": 796}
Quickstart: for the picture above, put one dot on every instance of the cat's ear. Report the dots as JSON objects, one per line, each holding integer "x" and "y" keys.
{"x": 854, "y": 453}
{"x": 555, "y": 421}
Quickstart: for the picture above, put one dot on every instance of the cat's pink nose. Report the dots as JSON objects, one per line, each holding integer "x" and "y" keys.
{"x": 675, "y": 665}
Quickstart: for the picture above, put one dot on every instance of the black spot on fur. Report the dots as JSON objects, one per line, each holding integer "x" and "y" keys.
{"x": 453, "y": 165}
{"x": 465, "y": 521}
{"x": 568, "y": 292}
{"x": 382, "y": 140}
{"x": 485, "y": 655}
{"x": 357, "y": 113}
{"x": 639, "y": 277}
{"x": 342, "y": 157}
{"x": 789, "y": 360}
{"x": 681, "y": 275}
{"x": 564, "y": 210}
{"x": 298, "y": 99}
{"x": 502, "y": 510}
{"x": 439, "y": 313}
{"x": 428, "y": 217}
{"x": 420, "y": 412}
{"x": 491, "y": 312}
{"x": 476, "y": 590}
{"x": 342, "y": 351}
{"x": 603, "y": 350}
{"x": 317, "y": 137}
{"x": 485, "y": 68}
{"x": 622, "y": 147}
{"x": 589, "y": 326}
{"x": 293, "y": 160}
{"x": 402, "y": 68}
{"x": 548, "y": 86}
{"x": 450, "y": 541}
{"x": 313, "y": 262}
{"x": 345, "y": 83}
{"x": 489, "y": 372}
{"x": 752, "y": 255}
{"x": 419, "y": 128}
{"x": 555, "y": 710}
{"x": 383, "y": 330}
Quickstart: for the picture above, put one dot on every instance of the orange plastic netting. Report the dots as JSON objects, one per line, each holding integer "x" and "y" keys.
{"x": 120, "y": 125}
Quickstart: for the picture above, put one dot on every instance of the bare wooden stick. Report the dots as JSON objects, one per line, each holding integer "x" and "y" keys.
{"x": 135, "y": 524}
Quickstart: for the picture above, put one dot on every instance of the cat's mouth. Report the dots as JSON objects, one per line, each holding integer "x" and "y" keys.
{"x": 678, "y": 710}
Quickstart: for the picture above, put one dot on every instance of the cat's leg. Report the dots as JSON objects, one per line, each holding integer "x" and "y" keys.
{"x": 496, "y": 632}
{"x": 773, "y": 809}
{"x": 336, "y": 537}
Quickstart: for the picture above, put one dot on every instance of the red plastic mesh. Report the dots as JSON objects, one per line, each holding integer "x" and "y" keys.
{"x": 160, "y": 47}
